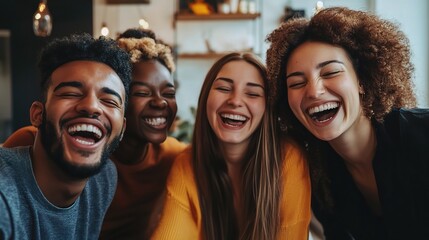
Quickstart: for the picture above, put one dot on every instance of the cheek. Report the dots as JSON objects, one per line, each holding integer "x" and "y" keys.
{"x": 172, "y": 104}
{"x": 258, "y": 108}
{"x": 137, "y": 105}
{"x": 294, "y": 101}
{"x": 211, "y": 106}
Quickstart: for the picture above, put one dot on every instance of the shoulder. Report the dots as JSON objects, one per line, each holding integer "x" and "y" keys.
{"x": 108, "y": 171}
{"x": 5, "y": 219}
{"x": 293, "y": 156}
{"x": 103, "y": 184}
{"x": 15, "y": 185}
{"x": 22, "y": 137}
{"x": 183, "y": 163}
{"x": 296, "y": 191}
{"x": 409, "y": 123}
{"x": 417, "y": 115}
{"x": 181, "y": 181}
{"x": 13, "y": 158}
{"x": 409, "y": 116}
{"x": 172, "y": 145}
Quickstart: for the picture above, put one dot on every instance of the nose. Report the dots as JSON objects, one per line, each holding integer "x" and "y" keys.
{"x": 315, "y": 88}
{"x": 235, "y": 99}
{"x": 89, "y": 105}
{"x": 158, "y": 102}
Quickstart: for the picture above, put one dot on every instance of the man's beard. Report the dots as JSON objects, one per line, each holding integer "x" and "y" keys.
{"x": 54, "y": 147}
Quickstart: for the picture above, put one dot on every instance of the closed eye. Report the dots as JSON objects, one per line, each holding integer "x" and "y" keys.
{"x": 69, "y": 94}
{"x": 331, "y": 73}
{"x": 111, "y": 102}
{"x": 141, "y": 94}
{"x": 296, "y": 84}
{"x": 169, "y": 94}
{"x": 258, "y": 93}
{"x": 223, "y": 89}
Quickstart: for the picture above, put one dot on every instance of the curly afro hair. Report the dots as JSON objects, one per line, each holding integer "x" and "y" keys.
{"x": 379, "y": 51}
{"x": 84, "y": 47}
{"x": 380, "y": 55}
{"x": 142, "y": 45}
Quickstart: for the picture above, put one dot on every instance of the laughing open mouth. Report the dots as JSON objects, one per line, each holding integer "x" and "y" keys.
{"x": 155, "y": 121}
{"x": 85, "y": 133}
{"x": 233, "y": 119}
{"x": 324, "y": 112}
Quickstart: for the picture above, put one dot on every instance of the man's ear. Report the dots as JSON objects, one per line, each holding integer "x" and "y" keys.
{"x": 123, "y": 129}
{"x": 36, "y": 113}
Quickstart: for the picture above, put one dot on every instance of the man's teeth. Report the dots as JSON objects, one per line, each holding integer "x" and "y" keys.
{"x": 323, "y": 107}
{"x": 234, "y": 117}
{"x": 85, "y": 128}
{"x": 84, "y": 142}
{"x": 155, "y": 121}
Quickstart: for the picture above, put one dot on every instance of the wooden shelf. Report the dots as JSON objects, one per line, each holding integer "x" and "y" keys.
{"x": 127, "y": 1}
{"x": 217, "y": 16}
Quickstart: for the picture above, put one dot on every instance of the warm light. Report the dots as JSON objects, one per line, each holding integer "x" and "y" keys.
{"x": 42, "y": 7}
{"x": 319, "y": 6}
{"x": 104, "y": 30}
{"x": 42, "y": 21}
{"x": 143, "y": 23}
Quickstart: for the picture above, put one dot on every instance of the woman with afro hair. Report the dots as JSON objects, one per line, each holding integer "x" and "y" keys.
{"x": 343, "y": 87}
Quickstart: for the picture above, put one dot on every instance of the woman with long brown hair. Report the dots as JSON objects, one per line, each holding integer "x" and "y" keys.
{"x": 238, "y": 179}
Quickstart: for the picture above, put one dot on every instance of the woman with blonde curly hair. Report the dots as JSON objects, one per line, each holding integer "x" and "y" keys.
{"x": 146, "y": 153}
{"x": 343, "y": 87}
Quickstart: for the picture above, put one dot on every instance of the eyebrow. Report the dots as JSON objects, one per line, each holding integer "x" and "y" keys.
{"x": 112, "y": 92}
{"x": 250, "y": 84}
{"x": 169, "y": 84}
{"x": 318, "y": 66}
{"x": 77, "y": 84}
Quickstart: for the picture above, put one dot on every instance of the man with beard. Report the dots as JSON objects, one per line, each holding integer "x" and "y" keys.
{"x": 62, "y": 185}
{"x": 146, "y": 153}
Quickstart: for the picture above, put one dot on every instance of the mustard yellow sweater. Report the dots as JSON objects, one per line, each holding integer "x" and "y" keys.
{"x": 181, "y": 217}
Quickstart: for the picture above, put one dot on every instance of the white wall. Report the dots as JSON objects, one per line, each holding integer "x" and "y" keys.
{"x": 119, "y": 17}
{"x": 412, "y": 15}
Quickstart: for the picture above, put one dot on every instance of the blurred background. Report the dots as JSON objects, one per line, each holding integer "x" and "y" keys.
{"x": 199, "y": 32}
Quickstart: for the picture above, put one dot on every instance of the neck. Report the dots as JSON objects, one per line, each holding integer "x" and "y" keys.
{"x": 56, "y": 186}
{"x": 357, "y": 147}
{"x": 358, "y": 144}
{"x": 131, "y": 152}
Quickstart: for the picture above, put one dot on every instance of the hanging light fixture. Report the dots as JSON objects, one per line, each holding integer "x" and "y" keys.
{"x": 104, "y": 29}
{"x": 142, "y": 22}
{"x": 319, "y": 7}
{"x": 42, "y": 20}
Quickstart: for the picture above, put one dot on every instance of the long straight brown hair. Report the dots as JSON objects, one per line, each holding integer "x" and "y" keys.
{"x": 261, "y": 179}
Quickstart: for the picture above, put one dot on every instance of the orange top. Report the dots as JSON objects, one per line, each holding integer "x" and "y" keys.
{"x": 181, "y": 217}
{"x": 22, "y": 137}
{"x": 138, "y": 201}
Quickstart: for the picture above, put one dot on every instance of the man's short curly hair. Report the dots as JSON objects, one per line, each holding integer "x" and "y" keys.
{"x": 379, "y": 51}
{"x": 78, "y": 47}
{"x": 142, "y": 45}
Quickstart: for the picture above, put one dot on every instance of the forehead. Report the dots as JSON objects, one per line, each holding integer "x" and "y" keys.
{"x": 151, "y": 71}
{"x": 312, "y": 53}
{"x": 240, "y": 71}
{"x": 91, "y": 74}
